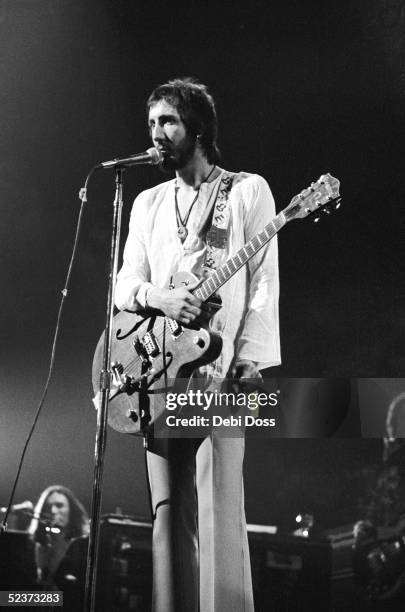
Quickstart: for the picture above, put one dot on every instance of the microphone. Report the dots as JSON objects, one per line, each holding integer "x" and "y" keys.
{"x": 23, "y": 507}
{"x": 152, "y": 157}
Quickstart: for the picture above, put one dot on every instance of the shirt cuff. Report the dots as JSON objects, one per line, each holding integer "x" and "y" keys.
{"x": 142, "y": 294}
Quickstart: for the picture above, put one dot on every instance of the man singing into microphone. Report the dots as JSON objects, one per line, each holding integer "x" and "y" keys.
{"x": 194, "y": 223}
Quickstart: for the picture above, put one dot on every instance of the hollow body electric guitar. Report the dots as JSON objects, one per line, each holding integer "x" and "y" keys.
{"x": 152, "y": 355}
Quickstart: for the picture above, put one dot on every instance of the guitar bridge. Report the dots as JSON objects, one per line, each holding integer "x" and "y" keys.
{"x": 121, "y": 382}
{"x": 141, "y": 351}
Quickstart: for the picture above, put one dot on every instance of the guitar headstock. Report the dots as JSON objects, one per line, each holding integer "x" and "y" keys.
{"x": 321, "y": 196}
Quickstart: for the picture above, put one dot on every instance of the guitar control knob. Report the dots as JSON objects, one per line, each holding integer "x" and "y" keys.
{"x": 131, "y": 414}
{"x": 199, "y": 341}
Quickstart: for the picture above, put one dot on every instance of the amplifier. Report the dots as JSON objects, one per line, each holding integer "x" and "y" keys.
{"x": 295, "y": 574}
{"x": 17, "y": 561}
{"x": 290, "y": 573}
{"x": 124, "y": 570}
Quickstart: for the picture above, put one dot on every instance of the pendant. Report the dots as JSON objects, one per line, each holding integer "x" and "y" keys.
{"x": 182, "y": 232}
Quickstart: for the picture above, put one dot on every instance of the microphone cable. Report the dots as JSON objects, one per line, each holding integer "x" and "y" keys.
{"x": 83, "y": 198}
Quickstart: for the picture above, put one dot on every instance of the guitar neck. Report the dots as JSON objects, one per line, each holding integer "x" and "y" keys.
{"x": 235, "y": 263}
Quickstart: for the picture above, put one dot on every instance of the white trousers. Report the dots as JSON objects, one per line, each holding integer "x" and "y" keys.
{"x": 200, "y": 548}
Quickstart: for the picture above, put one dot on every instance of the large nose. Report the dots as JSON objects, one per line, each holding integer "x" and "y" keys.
{"x": 157, "y": 133}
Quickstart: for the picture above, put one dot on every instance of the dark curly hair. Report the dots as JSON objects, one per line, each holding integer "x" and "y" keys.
{"x": 196, "y": 108}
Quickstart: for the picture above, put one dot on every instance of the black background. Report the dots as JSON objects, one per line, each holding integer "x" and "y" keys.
{"x": 302, "y": 88}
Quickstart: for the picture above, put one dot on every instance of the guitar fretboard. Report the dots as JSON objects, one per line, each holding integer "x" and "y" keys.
{"x": 235, "y": 263}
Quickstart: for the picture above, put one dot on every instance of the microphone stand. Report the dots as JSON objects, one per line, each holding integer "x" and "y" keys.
{"x": 102, "y": 412}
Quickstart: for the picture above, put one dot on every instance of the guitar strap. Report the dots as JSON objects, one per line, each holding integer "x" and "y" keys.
{"x": 217, "y": 235}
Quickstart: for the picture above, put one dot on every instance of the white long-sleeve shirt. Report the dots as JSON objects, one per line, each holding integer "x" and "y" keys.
{"x": 248, "y": 319}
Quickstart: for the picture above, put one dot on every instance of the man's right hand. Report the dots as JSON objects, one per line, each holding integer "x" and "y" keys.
{"x": 179, "y": 304}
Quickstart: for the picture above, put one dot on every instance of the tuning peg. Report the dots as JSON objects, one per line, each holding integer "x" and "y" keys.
{"x": 336, "y": 204}
{"x": 316, "y": 218}
{"x": 326, "y": 210}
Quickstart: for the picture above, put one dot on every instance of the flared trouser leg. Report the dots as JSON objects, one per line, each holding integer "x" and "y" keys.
{"x": 225, "y": 575}
{"x": 171, "y": 471}
{"x": 200, "y": 549}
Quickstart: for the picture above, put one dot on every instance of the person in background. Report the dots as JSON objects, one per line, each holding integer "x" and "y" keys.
{"x": 58, "y": 518}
